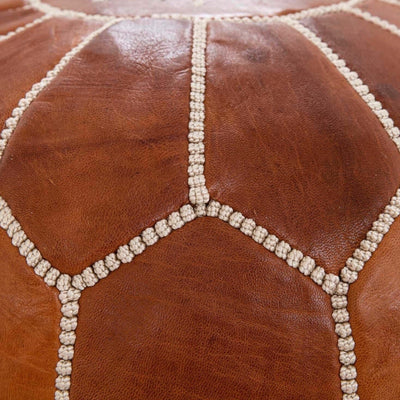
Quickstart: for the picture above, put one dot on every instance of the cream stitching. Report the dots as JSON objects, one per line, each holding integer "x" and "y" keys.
{"x": 70, "y": 288}
{"x": 26, "y": 248}
{"x": 127, "y": 252}
{"x": 198, "y": 193}
{"x": 23, "y": 28}
{"x": 349, "y": 275}
{"x": 311, "y": 12}
{"x": 347, "y": 357}
{"x": 363, "y": 253}
{"x": 58, "y": 12}
{"x": 354, "y": 264}
{"x": 352, "y": 77}
{"x": 375, "y": 20}
{"x": 394, "y": 2}
{"x": 293, "y": 257}
{"x": 23, "y": 104}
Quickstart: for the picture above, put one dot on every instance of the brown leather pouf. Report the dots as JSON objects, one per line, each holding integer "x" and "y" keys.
{"x": 199, "y": 200}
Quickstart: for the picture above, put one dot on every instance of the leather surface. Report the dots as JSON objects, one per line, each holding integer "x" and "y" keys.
{"x": 302, "y": 154}
{"x": 387, "y": 11}
{"x": 25, "y": 59}
{"x": 102, "y": 153}
{"x": 8, "y": 4}
{"x": 192, "y": 7}
{"x": 351, "y": 38}
{"x": 11, "y": 19}
{"x": 91, "y": 176}
{"x": 206, "y": 313}
{"x": 29, "y": 315}
{"x": 374, "y": 306}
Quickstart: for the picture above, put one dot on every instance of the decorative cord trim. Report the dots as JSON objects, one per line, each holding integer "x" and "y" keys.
{"x": 58, "y": 12}
{"x": 293, "y": 257}
{"x": 26, "y": 248}
{"x": 320, "y": 10}
{"x": 126, "y": 253}
{"x": 346, "y": 344}
{"x": 354, "y": 264}
{"x": 25, "y": 7}
{"x": 352, "y": 77}
{"x": 311, "y": 12}
{"x": 23, "y": 28}
{"x": 69, "y": 298}
{"x": 386, "y": 25}
{"x": 24, "y": 103}
{"x": 368, "y": 246}
{"x": 198, "y": 193}
{"x": 394, "y": 2}
{"x": 70, "y": 288}
{"x": 349, "y": 275}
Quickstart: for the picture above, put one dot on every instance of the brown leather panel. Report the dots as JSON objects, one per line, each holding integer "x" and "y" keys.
{"x": 12, "y": 19}
{"x": 26, "y": 57}
{"x": 368, "y": 49}
{"x": 289, "y": 143}
{"x": 6, "y": 4}
{"x": 193, "y": 7}
{"x": 109, "y": 155}
{"x": 206, "y": 313}
{"x": 389, "y": 12}
{"x": 374, "y": 306}
{"x": 29, "y": 315}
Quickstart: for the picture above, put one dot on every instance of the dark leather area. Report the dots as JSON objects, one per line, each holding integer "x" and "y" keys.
{"x": 29, "y": 318}
{"x": 290, "y": 144}
{"x": 89, "y": 182}
{"x": 374, "y": 306}
{"x": 205, "y": 313}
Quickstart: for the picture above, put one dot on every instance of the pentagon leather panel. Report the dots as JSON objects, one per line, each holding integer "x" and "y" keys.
{"x": 199, "y": 200}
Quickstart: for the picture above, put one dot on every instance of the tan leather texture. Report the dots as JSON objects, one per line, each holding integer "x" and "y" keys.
{"x": 10, "y": 4}
{"x": 351, "y": 38}
{"x": 101, "y": 122}
{"x": 25, "y": 59}
{"x": 11, "y": 19}
{"x": 94, "y": 173}
{"x": 29, "y": 315}
{"x": 203, "y": 305}
{"x": 315, "y": 176}
{"x": 387, "y": 11}
{"x": 374, "y": 303}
